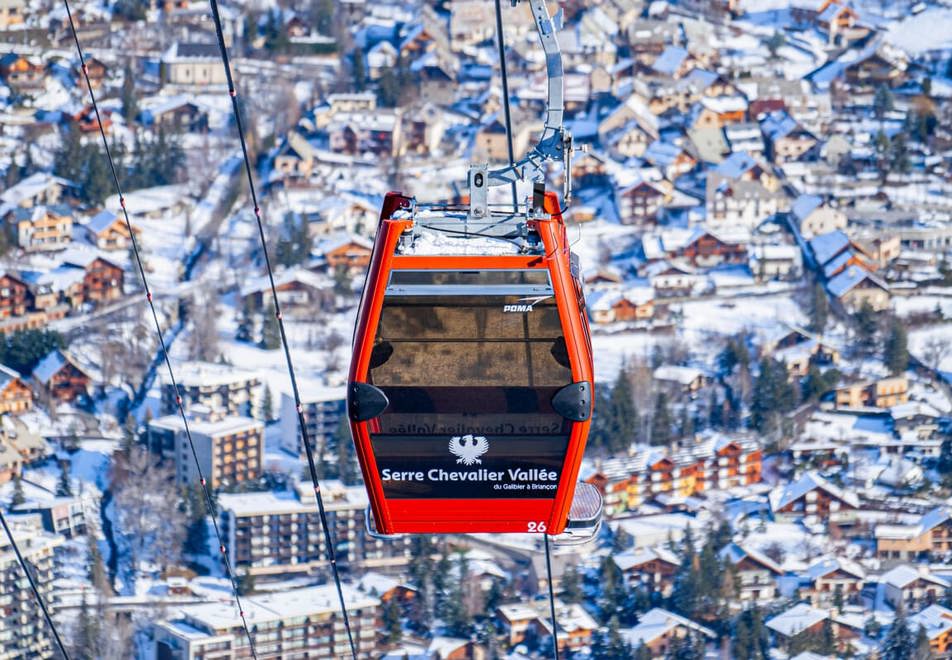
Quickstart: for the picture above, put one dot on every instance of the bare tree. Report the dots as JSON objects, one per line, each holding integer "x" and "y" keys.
{"x": 934, "y": 352}
{"x": 203, "y": 339}
{"x": 147, "y": 503}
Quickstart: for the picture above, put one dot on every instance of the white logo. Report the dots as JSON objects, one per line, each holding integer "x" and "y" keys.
{"x": 525, "y": 304}
{"x": 469, "y": 448}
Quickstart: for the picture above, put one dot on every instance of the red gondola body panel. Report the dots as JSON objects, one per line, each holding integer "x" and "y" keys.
{"x": 467, "y": 513}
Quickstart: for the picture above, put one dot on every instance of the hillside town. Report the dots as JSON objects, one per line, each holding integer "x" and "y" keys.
{"x": 762, "y": 212}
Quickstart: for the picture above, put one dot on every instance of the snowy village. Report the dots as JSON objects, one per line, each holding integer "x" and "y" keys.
{"x": 762, "y": 216}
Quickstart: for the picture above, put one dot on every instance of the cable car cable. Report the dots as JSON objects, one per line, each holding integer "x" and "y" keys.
{"x": 209, "y": 503}
{"x": 36, "y": 591}
{"x": 515, "y": 203}
{"x": 312, "y": 467}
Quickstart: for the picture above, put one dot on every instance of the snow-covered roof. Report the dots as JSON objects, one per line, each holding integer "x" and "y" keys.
{"x": 825, "y": 565}
{"x": 783, "y": 495}
{"x": 804, "y": 205}
{"x": 634, "y": 557}
{"x": 681, "y": 375}
{"x": 936, "y": 620}
{"x": 657, "y": 622}
{"x": 101, "y": 221}
{"x": 903, "y": 575}
{"x": 670, "y": 60}
{"x": 798, "y": 618}
{"x": 735, "y": 554}
{"x": 51, "y": 364}
{"x": 735, "y": 165}
{"x": 209, "y": 374}
{"x": 826, "y": 246}
{"x": 850, "y": 278}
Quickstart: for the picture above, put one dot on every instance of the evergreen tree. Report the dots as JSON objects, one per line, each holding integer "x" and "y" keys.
{"x": 494, "y": 596}
{"x": 661, "y": 421}
{"x": 923, "y": 648}
{"x": 684, "y": 592}
{"x": 689, "y": 647}
{"x": 623, "y": 425}
{"x": 86, "y": 646}
{"x": 642, "y": 653}
{"x": 572, "y": 586}
{"x": 883, "y": 101}
{"x": 865, "y": 320}
{"x": 735, "y": 354}
{"x": 819, "y": 308}
{"x": 246, "y": 322}
{"x": 715, "y": 411}
{"x": 775, "y": 43}
{"x": 459, "y": 621}
{"x": 270, "y": 332}
{"x": 944, "y": 464}
{"x": 18, "y": 497}
{"x": 246, "y": 584}
{"x": 95, "y": 567}
{"x": 392, "y": 630}
{"x": 63, "y": 488}
{"x": 899, "y": 154}
{"x": 773, "y": 395}
{"x": 128, "y": 96}
{"x": 896, "y": 348}
{"x": 359, "y": 70}
{"x": 613, "y": 602}
{"x": 750, "y": 636}
{"x": 899, "y": 643}
{"x": 610, "y": 645}
{"x": 388, "y": 88}
{"x": 818, "y": 383}
{"x": 196, "y": 532}
{"x": 322, "y": 12}
{"x": 267, "y": 405}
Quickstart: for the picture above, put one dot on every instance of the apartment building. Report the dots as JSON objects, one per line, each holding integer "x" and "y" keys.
{"x": 274, "y": 533}
{"x": 882, "y": 393}
{"x": 714, "y": 462}
{"x": 299, "y": 623}
{"x": 324, "y": 410}
{"x": 23, "y": 633}
{"x": 219, "y": 387}
{"x": 42, "y": 227}
{"x": 230, "y": 449}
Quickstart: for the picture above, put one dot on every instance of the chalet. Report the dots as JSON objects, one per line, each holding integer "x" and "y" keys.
{"x": 344, "y": 250}
{"x": 932, "y": 534}
{"x": 374, "y": 133}
{"x": 813, "y": 216}
{"x": 631, "y": 127}
{"x": 102, "y": 281}
{"x": 706, "y": 248}
{"x": 154, "y": 203}
{"x": 913, "y": 587}
{"x": 58, "y": 289}
{"x": 813, "y": 498}
{"x": 15, "y": 395}
{"x": 192, "y": 65}
{"x": 834, "y": 579}
{"x": 11, "y": 464}
{"x": 879, "y": 249}
{"x": 653, "y": 568}
{"x": 718, "y": 112}
{"x": 674, "y": 62}
{"x": 937, "y": 622}
{"x": 915, "y": 418}
{"x": 97, "y": 71}
{"x": 299, "y": 292}
{"x": 423, "y": 129}
{"x": 639, "y": 203}
{"x": 87, "y": 121}
{"x": 12, "y": 12}
{"x": 174, "y": 113}
{"x": 15, "y": 296}
{"x": 801, "y": 619}
{"x": 295, "y": 157}
{"x": 741, "y": 192}
{"x": 855, "y": 286}
{"x": 687, "y": 380}
{"x": 799, "y": 357}
{"x": 787, "y": 140}
{"x": 609, "y": 306}
{"x": 669, "y": 279}
{"x": 491, "y": 140}
{"x": 775, "y": 262}
{"x": 756, "y": 573}
{"x": 59, "y": 375}
{"x": 21, "y": 74}
{"x": 882, "y": 393}
{"x": 35, "y": 190}
{"x": 42, "y": 228}
{"x": 673, "y": 160}
{"x": 658, "y": 628}
{"x": 17, "y": 435}
{"x": 107, "y": 231}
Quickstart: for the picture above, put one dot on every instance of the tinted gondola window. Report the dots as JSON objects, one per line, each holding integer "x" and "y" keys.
{"x": 469, "y": 368}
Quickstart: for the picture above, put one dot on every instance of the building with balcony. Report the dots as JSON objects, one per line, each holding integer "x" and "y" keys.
{"x": 812, "y": 499}
{"x": 299, "y": 623}
{"x": 324, "y": 411}
{"x": 230, "y": 449}
{"x": 23, "y": 633}
{"x": 278, "y": 533}
{"x": 220, "y": 388}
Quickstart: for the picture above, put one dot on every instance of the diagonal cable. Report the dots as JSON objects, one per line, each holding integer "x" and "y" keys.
{"x": 311, "y": 466}
{"x": 209, "y": 503}
{"x": 36, "y": 590}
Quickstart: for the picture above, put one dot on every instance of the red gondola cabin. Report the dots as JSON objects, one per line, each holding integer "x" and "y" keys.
{"x": 470, "y": 388}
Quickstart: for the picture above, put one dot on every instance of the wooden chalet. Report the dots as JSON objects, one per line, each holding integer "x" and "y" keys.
{"x": 61, "y": 378}
{"x": 107, "y": 231}
{"x": 640, "y": 203}
{"x": 653, "y": 568}
{"x": 15, "y": 296}
{"x": 15, "y": 395}
{"x": 813, "y": 498}
{"x": 103, "y": 281}
{"x": 936, "y": 620}
{"x": 756, "y": 573}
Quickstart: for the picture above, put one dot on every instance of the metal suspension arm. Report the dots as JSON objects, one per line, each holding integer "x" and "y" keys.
{"x": 552, "y": 143}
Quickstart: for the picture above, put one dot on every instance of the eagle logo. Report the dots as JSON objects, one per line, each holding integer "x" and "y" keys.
{"x": 468, "y": 448}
